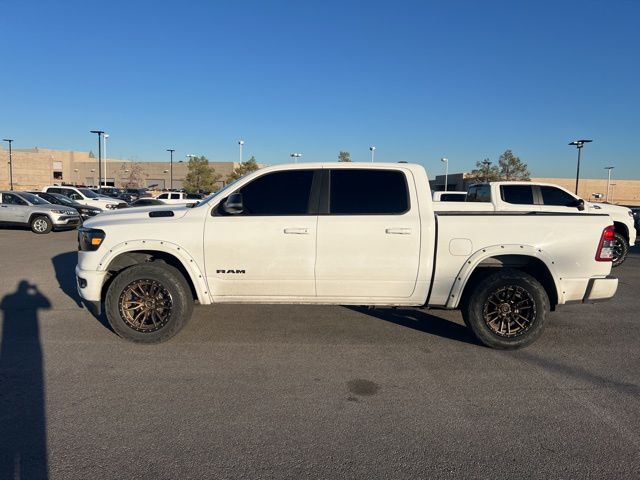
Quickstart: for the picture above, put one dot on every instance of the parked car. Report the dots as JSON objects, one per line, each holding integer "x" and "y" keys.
{"x": 59, "y": 199}
{"x": 146, "y": 202}
{"x": 449, "y": 196}
{"x": 26, "y": 209}
{"x": 546, "y": 197}
{"x": 112, "y": 192}
{"x": 137, "y": 193}
{"x": 178, "y": 198}
{"x": 85, "y": 196}
{"x": 341, "y": 234}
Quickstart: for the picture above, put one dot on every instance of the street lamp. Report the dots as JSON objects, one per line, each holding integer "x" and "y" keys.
{"x": 295, "y": 157}
{"x": 171, "y": 150}
{"x": 9, "y": 140}
{"x": 373, "y": 152}
{"x": 608, "y": 181}
{"x": 446, "y": 172}
{"x": 106, "y": 135}
{"x": 99, "y": 133}
{"x": 579, "y": 144}
{"x": 241, "y": 143}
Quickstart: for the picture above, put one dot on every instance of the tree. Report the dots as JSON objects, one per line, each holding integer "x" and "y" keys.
{"x": 134, "y": 175}
{"x": 200, "y": 176}
{"x": 344, "y": 156}
{"x": 484, "y": 172}
{"x": 512, "y": 168}
{"x": 245, "y": 167}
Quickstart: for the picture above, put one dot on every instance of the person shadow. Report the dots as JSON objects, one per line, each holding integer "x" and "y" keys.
{"x": 23, "y": 432}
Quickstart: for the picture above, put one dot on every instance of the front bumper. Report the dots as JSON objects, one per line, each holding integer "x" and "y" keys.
{"x": 89, "y": 284}
{"x": 66, "y": 221}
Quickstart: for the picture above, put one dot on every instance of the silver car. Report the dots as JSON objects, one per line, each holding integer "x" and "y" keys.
{"x": 26, "y": 209}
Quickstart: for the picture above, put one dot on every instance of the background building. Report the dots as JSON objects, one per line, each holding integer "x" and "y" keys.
{"x": 33, "y": 168}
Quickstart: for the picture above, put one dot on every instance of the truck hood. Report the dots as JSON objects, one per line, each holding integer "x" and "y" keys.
{"x": 610, "y": 209}
{"x": 137, "y": 215}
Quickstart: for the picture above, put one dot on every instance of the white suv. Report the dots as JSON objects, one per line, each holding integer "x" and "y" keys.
{"x": 86, "y": 196}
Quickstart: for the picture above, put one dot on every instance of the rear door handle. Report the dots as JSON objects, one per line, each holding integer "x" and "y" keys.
{"x": 398, "y": 231}
{"x": 296, "y": 231}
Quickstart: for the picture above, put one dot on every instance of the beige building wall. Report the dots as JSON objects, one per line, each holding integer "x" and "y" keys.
{"x": 36, "y": 167}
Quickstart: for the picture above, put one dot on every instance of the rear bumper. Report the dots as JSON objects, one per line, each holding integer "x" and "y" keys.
{"x": 600, "y": 289}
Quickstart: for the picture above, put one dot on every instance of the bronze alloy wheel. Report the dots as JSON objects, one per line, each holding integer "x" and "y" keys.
{"x": 509, "y": 311}
{"x": 145, "y": 305}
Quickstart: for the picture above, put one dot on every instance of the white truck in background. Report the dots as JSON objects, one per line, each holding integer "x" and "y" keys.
{"x": 546, "y": 197}
{"x": 342, "y": 234}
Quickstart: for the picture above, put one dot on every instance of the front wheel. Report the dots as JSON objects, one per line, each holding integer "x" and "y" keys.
{"x": 507, "y": 310}
{"x": 148, "y": 303}
{"x": 41, "y": 224}
{"x": 620, "y": 249}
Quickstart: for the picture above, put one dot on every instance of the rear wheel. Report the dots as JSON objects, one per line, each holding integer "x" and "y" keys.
{"x": 41, "y": 224}
{"x": 507, "y": 310}
{"x": 148, "y": 303}
{"x": 620, "y": 249}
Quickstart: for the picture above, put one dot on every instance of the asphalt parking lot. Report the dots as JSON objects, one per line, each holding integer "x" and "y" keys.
{"x": 307, "y": 392}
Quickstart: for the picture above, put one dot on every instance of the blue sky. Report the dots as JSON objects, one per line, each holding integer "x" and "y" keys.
{"x": 420, "y": 80}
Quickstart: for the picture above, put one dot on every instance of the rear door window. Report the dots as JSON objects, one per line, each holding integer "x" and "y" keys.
{"x": 368, "y": 192}
{"x": 479, "y": 193}
{"x": 517, "y": 194}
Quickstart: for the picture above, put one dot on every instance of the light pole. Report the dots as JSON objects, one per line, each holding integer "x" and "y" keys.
{"x": 579, "y": 144}
{"x": 171, "y": 150}
{"x": 104, "y": 172}
{"x": 99, "y": 133}
{"x": 373, "y": 152}
{"x": 10, "y": 140}
{"x": 612, "y": 190}
{"x": 446, "y": 172}
{"x": 608, "y": 169}
{"x": 295, "y": 157}
{"x": 241, "y": 143}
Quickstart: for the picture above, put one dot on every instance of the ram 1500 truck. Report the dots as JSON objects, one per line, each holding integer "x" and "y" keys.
{"x": 344, "y": 234}
{"x": 546, "y": 197}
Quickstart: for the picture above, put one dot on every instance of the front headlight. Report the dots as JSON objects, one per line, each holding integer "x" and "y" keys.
{"x": 64, "y": 212}
{"x": 90, "y": 239}
{"x": 112, "y": 206}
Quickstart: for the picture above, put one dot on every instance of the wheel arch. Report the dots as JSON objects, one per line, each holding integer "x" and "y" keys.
{"x": 622, "y": 229}
{"x": 134, "y": 253}
{"x": 524, "y": 258}
{"x": 39, "y": 214}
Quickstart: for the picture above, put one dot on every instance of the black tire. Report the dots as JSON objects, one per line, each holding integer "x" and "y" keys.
{"x": 154, "y": 316}
{"x": 507, "y": 310}
{"x": 620, "y": 249}
{"x": 41, "y": 224}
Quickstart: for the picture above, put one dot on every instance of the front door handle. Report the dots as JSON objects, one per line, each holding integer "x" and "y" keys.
{"x": 398, "y": 231}
{"x": 296, "y": 231}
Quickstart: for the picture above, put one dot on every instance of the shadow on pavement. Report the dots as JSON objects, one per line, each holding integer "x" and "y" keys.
{"x": 23, "y": 426}
{"x": 421, "y": 321}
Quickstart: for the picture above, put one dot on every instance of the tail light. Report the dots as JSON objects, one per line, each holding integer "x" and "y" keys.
{"x": 605, "y": 247}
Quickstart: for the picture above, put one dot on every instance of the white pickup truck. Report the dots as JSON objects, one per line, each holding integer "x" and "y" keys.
{"x": 345, "y": 234}
{"x": 546, "y": 197}
{"x": 178, "y": 198}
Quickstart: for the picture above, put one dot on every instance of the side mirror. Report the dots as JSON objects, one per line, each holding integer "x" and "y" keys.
{"x": 580, "y": 204}
{"x": 233, "y": 204}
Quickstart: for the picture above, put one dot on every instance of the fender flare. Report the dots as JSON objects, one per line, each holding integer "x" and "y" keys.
{"x": 197, "y": 277}
{"x": 479, "y": 256}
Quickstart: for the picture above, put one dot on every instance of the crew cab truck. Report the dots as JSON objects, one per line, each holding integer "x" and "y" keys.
{"x": 546, "y": 197}
{"x": 344, "y": 234}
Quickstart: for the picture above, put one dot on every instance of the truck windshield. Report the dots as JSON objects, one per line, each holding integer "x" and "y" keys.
{"x": 88, "y": 193}
{"x": 215, "y": 194}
